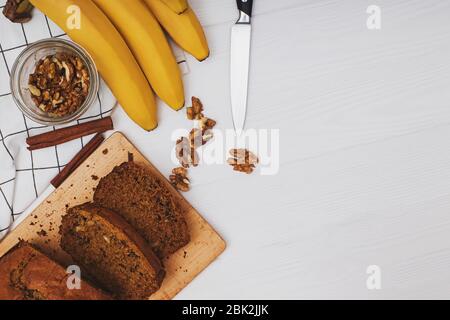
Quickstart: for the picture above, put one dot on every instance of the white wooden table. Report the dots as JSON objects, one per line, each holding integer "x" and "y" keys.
{"x": 364, "y": 119}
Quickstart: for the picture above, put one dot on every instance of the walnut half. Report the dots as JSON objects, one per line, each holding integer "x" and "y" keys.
{"x": 196, "y": 111}
{"x": 186, "y": 154}
{"x": 243, "y": 160}
{"x": 179, "y": 179}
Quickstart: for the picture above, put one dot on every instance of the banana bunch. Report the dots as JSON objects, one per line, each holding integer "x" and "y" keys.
{"x": 130, "y": 49}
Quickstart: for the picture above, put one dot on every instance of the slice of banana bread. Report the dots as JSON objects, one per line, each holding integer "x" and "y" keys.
{"x": 28, "y": 274}
{"x": 144, "y": 201}
{"x": 111, "y": 251}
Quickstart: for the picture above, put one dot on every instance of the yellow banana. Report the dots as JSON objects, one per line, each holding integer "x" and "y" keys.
{"x": 149, "y": 45}
{"x": 86, "y": 24}
{"x": 177, "y": 6}
{"x": 185, "y": 29}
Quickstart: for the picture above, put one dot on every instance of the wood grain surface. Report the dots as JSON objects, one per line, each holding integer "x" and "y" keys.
{"x": 41, "y": 227}
{"x": 364, "y": 179}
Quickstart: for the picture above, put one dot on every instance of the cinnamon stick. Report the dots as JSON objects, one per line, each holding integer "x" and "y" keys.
{"x": 54, "y": 138}
{"x": 77, "y": 160}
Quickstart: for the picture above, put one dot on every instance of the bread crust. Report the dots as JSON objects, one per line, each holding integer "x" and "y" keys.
{"x": 111, "y": 251}
{"x": 28, "y": 274}
{"x": 131, "y": 233}
{"x": 147, "y": 204}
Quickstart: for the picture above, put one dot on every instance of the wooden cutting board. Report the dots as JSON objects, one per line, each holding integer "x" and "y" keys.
{"x": 41, "y": 227}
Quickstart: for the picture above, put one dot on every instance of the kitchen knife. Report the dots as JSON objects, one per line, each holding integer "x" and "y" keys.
{"x": 240, "y": 62}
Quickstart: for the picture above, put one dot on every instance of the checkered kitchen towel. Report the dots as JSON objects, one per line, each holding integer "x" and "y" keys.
{"x": 24, "y": 174}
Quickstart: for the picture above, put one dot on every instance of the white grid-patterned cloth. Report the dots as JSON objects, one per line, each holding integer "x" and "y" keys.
{"x": 24, "y": 174}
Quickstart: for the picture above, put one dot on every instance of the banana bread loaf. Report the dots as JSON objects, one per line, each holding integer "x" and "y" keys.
{"x": 144, "y": 202}
{"x": 28, "y": 274}
{"x": 111, "y": 251}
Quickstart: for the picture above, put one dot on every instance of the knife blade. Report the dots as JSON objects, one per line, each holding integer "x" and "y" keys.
{"x": 240, "y": 63}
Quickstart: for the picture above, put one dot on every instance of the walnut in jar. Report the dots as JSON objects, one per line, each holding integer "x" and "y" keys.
{"x": 60, "y": 84}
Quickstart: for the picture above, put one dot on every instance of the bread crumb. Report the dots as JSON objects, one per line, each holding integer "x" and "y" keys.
{"x": 42, "y": 233}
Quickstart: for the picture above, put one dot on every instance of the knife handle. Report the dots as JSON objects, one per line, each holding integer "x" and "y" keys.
{"x": 245, "y": 6}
